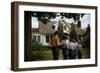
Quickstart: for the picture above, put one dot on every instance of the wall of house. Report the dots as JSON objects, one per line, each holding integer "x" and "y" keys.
{"x": 63, "y": 23}
{"x": 42, "y": 38}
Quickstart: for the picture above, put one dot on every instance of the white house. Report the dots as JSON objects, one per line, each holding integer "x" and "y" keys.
{"x": 43, "y": 33}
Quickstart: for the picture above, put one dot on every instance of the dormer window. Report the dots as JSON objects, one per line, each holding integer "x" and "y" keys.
{"x": 53, "y": 27}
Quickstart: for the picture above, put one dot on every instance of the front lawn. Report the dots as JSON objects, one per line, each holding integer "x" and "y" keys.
{"x": 46, "y": 54}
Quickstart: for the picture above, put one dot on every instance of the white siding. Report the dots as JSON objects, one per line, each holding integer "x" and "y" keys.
{"x": 42, "y": 38}
{"x": 44, "y": 43}
{"x": 36, "y": 34}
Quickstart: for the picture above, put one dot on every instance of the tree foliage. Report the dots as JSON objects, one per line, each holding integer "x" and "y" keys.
{"x": 36, "y": 45}
{"x": 46, "y": 16}
{"x": 86, "y": 38}
{"x": 73, "y": 34}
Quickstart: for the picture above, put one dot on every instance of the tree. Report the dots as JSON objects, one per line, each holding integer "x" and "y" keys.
{"x": 73, "y": 34}
{"x": 28, "y": 37}
{"x": 60, "y": 30}
{"x": 44, "y": 16}
{"x": 75, "y": 16}
{"x": 86, "y": 38}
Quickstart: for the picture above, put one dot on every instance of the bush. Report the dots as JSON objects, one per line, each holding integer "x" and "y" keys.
{"x": 36, "y": 45}
{"x": 86, "y": 41}
{"x": 40, "y": 52}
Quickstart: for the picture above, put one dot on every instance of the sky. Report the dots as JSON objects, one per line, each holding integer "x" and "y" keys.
{"x": 34, "y": 22}
{"x": 85, "y": 20}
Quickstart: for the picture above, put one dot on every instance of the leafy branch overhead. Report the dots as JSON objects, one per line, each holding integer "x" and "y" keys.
{"x": 46, "y": 16}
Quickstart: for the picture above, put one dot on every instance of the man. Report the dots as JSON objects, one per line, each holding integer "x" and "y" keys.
{"x": 55, "y": 43}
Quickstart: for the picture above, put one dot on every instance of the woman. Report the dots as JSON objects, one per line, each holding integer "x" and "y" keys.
{"x": 55, "y": 43}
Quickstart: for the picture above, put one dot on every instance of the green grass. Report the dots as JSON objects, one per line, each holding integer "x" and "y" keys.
{"x": 85, "y": 52}
{"x": 47, "y": 54}
{"x": 44, "y": 55}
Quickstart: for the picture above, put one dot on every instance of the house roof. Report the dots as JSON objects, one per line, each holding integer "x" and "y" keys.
{"x": 79, "y": 31}
{"x": 48, "y": 28}
{"x": 35, "y": 30}
{"x": 45, "y": 28}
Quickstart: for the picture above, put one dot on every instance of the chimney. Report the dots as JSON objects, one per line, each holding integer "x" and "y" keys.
{"x": 79, "y": 24}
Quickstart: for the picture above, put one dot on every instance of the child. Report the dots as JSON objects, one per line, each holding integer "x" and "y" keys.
{"x": 72, "y": 49}
{"x": 65, "y": 42}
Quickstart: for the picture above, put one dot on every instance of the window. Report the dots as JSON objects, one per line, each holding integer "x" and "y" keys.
{"x": 38, "y": 38}
{"x": 34, "y": 37}
{"x": 47, "y": 38}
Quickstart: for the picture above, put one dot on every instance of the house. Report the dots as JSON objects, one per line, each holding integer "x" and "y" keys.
{"x": 43, "y": 33}
{"x": 79, "y": 31}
